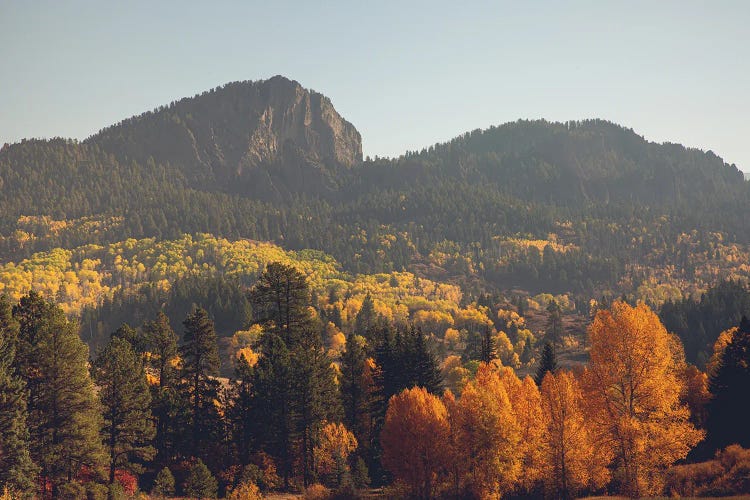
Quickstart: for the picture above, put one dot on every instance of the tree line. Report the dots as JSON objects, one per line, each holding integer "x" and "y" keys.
{"x": 150, "y": 412}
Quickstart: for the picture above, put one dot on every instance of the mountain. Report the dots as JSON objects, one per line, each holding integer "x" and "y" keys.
{"x": 588, "y": 207}
{"x": 266, "y": 138}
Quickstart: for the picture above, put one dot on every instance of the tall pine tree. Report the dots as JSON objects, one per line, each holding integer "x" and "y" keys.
{"x": 17, "y": 471}
{"x": 128, "y": 428}
{"x": 200, "y": 367}
{"x": 64, "y": 412}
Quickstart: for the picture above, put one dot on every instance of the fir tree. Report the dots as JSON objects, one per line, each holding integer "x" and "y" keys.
{"x": 554, "y": 323}
{"x": 128, "y": 428}
{"x": 64, "y": 413}
{"x": 356, "y": 388}
{"x": 427, "y": 372}
{"x": 17, "y": 471}
{"x": 488, "y": 346}
{"x": 547, "y": 363}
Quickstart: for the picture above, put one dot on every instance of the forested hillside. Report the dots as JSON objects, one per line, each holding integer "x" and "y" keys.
{"x": 242, "y": 303}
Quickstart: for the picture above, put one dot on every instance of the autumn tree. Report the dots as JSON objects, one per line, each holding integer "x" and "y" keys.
{"x": 128, "y": 427}
{"x": 632, "y": 393}
{"x": 332, "y": 451}
{"x": 17, "y": 471}
{"x": 573, "y": 462}
{"x": 486, "y": 436}
{"x": 526, "y": 403}
{"x": 64, "y": 412}
{"x": 414, "y": 438}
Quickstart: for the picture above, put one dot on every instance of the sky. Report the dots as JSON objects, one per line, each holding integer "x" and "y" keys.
{"x": 406, "y": 74}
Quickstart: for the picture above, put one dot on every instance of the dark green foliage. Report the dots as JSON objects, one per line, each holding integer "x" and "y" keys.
{"x": 280, "y": 300}
{"x": 124, "y": 392}
{"x": 699, "y": 323}
{"x": 488, "y": 346}
{"x": 200, "y": 366}
{"x": 554, "y": 324}
{"x": 405, "y": 361}
{"x": 64, "y": 412}
{"x": 137, "y": 339}
{"x": 366, "y": 317}
{"x": 358, "y": 393}
{"x": 200, "y": 483}
{"x": 163, "y": 484}
{"x": 17, "y": 471}
{"x": 162, "y": 344}
{"x": 547, "y": 363}
{"x": 729, "y": 408}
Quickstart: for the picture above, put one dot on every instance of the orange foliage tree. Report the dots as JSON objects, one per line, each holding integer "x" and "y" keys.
{"x": 632, "y": 390}
{"x": 485, "y": 435}
{"x": 414, "y": 440}
{"x": 573, "y": 462}
{"x": 335, "y": 444}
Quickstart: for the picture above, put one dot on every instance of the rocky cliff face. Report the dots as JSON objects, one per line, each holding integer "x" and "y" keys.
{"x": 271, "y": 136}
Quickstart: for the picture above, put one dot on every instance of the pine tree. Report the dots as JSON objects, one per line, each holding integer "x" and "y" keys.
{"x": 137, "y": 339}
{"x": 17, "y": 471}
{"x": 357, "y": 390}
{"x": 272, "y": 413}
{"x": 280, "y": 302}
{"x": 427, "y": 372}
{"x": 64, "y": 413}
{"x": 128, "y": 428}
{"x": 729, "y": 407}
{"x": 162, "y": 342}
{"x": 316, "y": 399}
{"x": 200, "y": 358}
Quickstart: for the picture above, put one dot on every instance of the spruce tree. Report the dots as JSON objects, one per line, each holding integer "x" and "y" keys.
{"x": 200, "y": 366}
{"x": 729, "y": 408}
{"x": 64, "y": 412}
{"x": 124, "y": 392}
{"x": 356, "y": 388}
{"x": 554, "y": 323}
{"x": 426, "y": 368}
{"x": 547, "y": 363}
{"x": 488, "y": 346}
{"x": 17, "y": 471}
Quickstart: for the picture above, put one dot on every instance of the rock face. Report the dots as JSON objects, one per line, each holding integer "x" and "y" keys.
{"x": 265, "y": 138}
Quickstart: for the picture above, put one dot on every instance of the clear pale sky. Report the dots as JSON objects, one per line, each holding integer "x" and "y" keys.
{"x": 406, "y": 74}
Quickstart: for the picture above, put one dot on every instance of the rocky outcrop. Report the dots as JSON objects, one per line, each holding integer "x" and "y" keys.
{"x": 243, "y": 136}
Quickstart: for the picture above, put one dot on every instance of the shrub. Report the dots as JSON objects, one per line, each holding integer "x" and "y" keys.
{"x": 245, "y": 491}
{"x": 164, "y": 484}
{"x": 317, "y": 492}
{"x": 200, "y": 483}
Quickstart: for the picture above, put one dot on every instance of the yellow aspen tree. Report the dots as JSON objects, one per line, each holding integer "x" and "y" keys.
{"x": 487, "y": 437}
{"x": 335, "y": 444}
{"x": 414, "y": 438}
{"x": 573, "y": 462}
{"x": 526, "y": 402}
{"x": 632, "y": 390}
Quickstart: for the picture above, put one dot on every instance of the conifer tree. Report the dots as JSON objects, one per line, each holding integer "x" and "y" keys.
{"x": 554, "y": 323}
{"x": 729, "y": 408}
{"x": 200, "y": 483}
{"x": 64, "y": 413}
{"x": 357, "y": 390}
{"x": 137, "y": 339}
{"x": 128, "y": 428}
{"x": 547, "y": 363}
{"x": 17, "y": 471}
{"x": 200, "y": 366}
{"x": 488, "y": 346}
{"x": 163, "y": 484}
{"x": 162, "y": 342}
{"x": 366, "y": 317}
